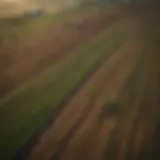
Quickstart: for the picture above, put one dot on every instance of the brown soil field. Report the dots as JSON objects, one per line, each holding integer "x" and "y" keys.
{"x": 56, "y": 45}
{"x": 77, "y": 133}
{"x": 136, "y": 126}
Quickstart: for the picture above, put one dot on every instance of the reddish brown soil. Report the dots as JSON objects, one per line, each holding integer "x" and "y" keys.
{"x": 130, "y": 114}
{"x": 137, "y": 124}
{"x": 77, "y": 133}
{"x": 61, "y": 41}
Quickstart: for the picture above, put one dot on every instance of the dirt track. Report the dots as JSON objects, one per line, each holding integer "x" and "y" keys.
{"x": 61, "y": 41}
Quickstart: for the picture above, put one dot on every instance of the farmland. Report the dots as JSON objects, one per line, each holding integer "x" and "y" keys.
{"x": 35, "y": 49}
{"x": 61, "y": 76}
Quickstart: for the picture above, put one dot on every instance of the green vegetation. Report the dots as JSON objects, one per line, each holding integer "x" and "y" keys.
{"x": 112, "y": 107}
{"x": 26, "y": 109}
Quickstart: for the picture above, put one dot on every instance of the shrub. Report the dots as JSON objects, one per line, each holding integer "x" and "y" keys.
{"x": 111, "y": 108}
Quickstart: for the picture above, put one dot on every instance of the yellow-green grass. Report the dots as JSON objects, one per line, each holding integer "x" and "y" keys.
{"x": 26, "y": 109}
